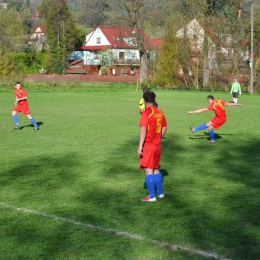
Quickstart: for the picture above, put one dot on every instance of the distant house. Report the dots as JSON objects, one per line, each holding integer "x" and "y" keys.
{"x": 3, "y": 5}
{"x": 38, "y": 38}
{"x": 109, "y": 46}
{"x": 224, "y": 43}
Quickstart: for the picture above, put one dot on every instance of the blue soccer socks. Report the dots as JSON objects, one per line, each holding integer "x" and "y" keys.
{"x": 16, "y": 120}
{"x": 150, "y": 184}
{"x": 158, "y": 183}
{"x": 201, "y": 127}
{"x": 33, "y": 122}
{"x": 212, "y": 136}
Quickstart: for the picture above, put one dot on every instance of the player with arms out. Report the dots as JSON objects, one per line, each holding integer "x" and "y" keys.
{"x": 217, "y": 106}
{"x": 153, "y": 126}
{"x": 21, "y": 106}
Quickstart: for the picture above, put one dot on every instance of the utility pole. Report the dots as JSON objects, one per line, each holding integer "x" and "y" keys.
{"x": 252, "y": 49}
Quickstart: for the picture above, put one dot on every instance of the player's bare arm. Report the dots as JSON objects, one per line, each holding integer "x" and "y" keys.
{"x": 198, "y": 111}
{"x": 20, "y": 99}
{"x": 142, "y": 135}
{"x": 232, "y": 104}
{"x": 164, "y": 129}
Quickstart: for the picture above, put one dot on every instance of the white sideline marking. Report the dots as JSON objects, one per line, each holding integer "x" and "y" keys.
{"x": 117, "y": 232}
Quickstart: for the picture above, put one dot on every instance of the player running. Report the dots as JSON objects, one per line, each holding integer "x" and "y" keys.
{"x": 152, "y": 128}
{"x": 217, "y": 106}
{"x": 21, "y": 106}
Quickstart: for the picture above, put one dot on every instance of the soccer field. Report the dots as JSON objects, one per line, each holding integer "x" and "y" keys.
{"x": 72, "y": 189}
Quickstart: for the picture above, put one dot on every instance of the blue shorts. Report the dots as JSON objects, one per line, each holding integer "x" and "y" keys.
{"x": 235, "y": 94}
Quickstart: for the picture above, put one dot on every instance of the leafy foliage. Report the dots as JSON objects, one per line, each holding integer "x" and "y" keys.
{"x": 61, "y": 34}
{"x": 104, "y": 70}
{"x": 29, "y": 62}
{"x": 7, "y": 65}
{"x": 11, "y": 29}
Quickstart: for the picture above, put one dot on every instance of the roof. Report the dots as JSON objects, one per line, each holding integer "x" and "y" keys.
{"x": 118, "y": 37}
{"x": 40, "y": 29}
{"x": 75, "y": 67}
{"x": 244, "y": 43}
{"x": 75, "y": 62}
{"x": 156, "y": 42}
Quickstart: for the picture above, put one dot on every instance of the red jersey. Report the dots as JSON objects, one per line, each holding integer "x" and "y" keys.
{"x": 218, "y": 107}
{"x": 20, "y": 93}
{"x": 154, "y": 120}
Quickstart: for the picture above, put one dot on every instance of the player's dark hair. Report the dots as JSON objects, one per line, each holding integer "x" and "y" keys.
{"x": 210, "y": 97}
{"x": 17, "y": 82}
{"x": 145, "y": 89}
{"x": 149, "y": 97}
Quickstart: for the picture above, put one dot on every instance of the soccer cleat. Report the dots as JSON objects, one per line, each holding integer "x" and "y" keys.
{"x": 36, "y": 128}
{"x": 161, "y": 196}
{"x": 17, "y": 127}
{"x": 212, "y": 141}
{"x": 192, "y": 129}
{"x": 147, "y": 198}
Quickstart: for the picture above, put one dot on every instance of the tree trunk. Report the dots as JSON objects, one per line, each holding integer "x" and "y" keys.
{"x": 143, "y": 68}
{"x": 205, "y": 70}
{"x": 205, "y": 61}
{"x": 195, "y": 72}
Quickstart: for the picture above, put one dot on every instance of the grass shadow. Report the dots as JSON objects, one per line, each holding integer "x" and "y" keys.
{"x": 31, "y": 125}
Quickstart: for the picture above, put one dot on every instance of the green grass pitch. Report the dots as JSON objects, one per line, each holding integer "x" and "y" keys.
{"x": 72, "y": 189}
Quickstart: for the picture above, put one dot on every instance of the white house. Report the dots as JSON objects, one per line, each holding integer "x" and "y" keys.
{"x": 118, "y": 45}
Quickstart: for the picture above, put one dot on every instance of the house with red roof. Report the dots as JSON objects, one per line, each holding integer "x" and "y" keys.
{"x": 38, "y": 37}
{"x": 111, "y": 46}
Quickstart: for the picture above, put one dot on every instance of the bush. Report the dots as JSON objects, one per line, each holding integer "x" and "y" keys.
{"x": 104, "y": 70}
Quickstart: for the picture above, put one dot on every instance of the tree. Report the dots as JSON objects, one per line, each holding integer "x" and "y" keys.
{"x": 11, "y": 29}
{"x": 91, "y": 12}
{"x": 179, "y": 59}
{"x": 81, "y": 35}
{"x": 167, "y": 67}
{"x": 256, "y": 35}
{"x": 212, "y": 13}
{"x": 61, "y": 33}
{"x": 7, "y": 64}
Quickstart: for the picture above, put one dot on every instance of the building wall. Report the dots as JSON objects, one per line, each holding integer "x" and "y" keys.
{"x": 130, "y": 55}
{"x": 91, "y": 39}
{"x": 94, "y": 58}
{"x": 195, "y": 32}
{"x": 76, "y": 55}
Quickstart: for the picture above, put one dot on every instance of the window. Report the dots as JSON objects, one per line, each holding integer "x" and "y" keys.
{"x": 98, "y": 40}
{"x": 122, "y": 56}
{"x": 228, "y": 52}
{"x": 96, "y": 55}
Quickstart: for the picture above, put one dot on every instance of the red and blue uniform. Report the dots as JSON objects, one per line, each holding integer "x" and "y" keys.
{"x": 22, "y": 105}
{"x": 153, "y": 120}
{"x": 217, "y": 106}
